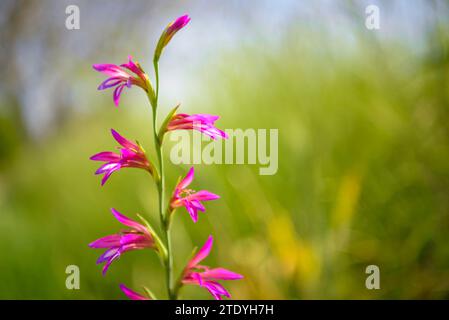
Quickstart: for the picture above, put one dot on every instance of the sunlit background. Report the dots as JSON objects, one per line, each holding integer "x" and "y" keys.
{"x": 362, "y": 116}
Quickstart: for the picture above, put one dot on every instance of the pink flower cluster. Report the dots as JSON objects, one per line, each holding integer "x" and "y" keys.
{"x": 130, "y": 154}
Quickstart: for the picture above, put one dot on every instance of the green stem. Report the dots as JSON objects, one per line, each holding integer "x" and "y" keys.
{"x": 161, "y": 191}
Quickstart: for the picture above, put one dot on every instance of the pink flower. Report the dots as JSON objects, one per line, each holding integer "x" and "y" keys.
{"x": 201, "y": 122}
{"x": 204, "y": 276}
{"x": 132, "y": 294}
{"x": 168, "y": 33}
{"x": 126, "y": 74}
{"x": 191, "y": 200}
{"x": 138, "y": 237}
{"x": 131, "y": 156}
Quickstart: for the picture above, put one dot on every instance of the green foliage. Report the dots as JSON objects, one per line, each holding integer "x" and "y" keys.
{"x": 363, "y": 179}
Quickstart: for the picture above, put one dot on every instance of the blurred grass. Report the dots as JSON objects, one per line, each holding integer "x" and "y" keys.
{"x": 363, "y": 179}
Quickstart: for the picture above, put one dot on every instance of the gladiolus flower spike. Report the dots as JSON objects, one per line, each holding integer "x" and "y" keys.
{"x": 130, "y": 154}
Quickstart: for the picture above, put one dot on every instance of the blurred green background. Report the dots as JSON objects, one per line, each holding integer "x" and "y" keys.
{"x": 363, "y": 145}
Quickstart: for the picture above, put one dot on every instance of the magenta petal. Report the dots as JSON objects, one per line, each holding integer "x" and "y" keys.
{"x": 192, "y": 212}
{"x": 108, "y": 167}
{"x": 106, "y": 176}
{"x": 204, "y": 195}
{"x": 196, "y": 277}
{"x": 109, "y": 256}
{"x": 221, "y": 274}
{"x": 123, "y": 141}
{"x": 197, "y": 205}
{"x": 105, "y": 67}
{"x": 105, "y": 156}
{"x": 225, "y": 135}
{"x": 184, "y": 183}
{"x": 178, "y": 24}
{"x": 108, "y": 264}
{"x": 203, "y": 117}
{"x": 129, "y": 222}
{"x": 201, "y": 122}
{"x": 214, "y": 133}
{"x": 131, "y": 66}
{"x": 117, "y": 93}
{"x": 202, "y": 253}
{"x": 132, "y": 294}
{"x": 131, "y": 241}
{"x": 129, "y": 154}
{"x": 111, "y": 70}
{"x": 109, "y": 83}
{"x": 106, "y": 242}
{"x": 216, "y": 289}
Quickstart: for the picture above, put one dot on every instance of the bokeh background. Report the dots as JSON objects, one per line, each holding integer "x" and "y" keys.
{"x": 363, "y": 145}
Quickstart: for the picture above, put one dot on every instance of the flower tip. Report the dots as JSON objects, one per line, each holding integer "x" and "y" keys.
{"x": 117, "y": 137}
{"x": 132, "y": 294}
{"x": 208, "y": 244}
{"x": 95, "y": 157}
{"x": 186, "y": 18}
{"x": 181, "y": 21}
